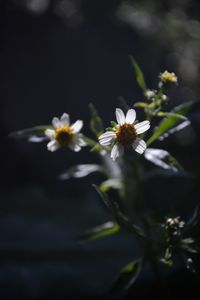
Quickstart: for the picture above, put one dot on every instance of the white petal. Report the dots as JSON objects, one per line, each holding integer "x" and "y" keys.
{"x": 107, "y": 134}
{"x": 120, "y": 116}
{"x": 65, "y": 119}
{"x": 76, "y": 127}
{"x": 139, "y": 145}
{"x": 78, "y": 139}
{"x": 117, "y": 151}
{"x": 49, "y": 133}
{"x": 142, "y": 127}
{"x": 81, "y": 142}
{"x": 75, "y": 147}
{"x": 130, "y": 116}
{"x": 106, "y": 141}
{"x": 53, "y": 146}
{"x": 56, "y": 123}
{"x": 107, "y": 138}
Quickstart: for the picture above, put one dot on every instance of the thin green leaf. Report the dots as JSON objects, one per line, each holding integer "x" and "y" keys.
{"x": 163, "y": 159}
{"x": 96, "y": 123}
{"x": 169, "y": 114}
{"x": 171, "y": 123}
{"x": 127, "y": 277}
{"x": 139, "y": 75}
{"x": 34, "y": 134}
{"x": 120, "y": 218}
{"x": 112, "y": 183}
{"x": 193, "y": 221}
{"x": 80, "y": 171}
{"x": 106, "y": 229}
{"x": 141, "y": 104}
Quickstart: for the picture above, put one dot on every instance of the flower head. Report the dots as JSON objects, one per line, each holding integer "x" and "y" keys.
{"x": 167, "y": 77}
{"x": 65, "y": 135}
{"x": 125, "y": 134}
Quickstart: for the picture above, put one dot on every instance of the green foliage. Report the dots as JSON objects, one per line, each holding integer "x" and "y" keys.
{"x": 34, "y": 134}
{"x": 96, "y": 123}
{"x": 172, "y": 120}
{"x": 80, "y": 171}
{"x": 127, "y": 276}
{"x": 106, "y": 229}
{"x": 163, "y": 159}
{"x": 139, "y": 75}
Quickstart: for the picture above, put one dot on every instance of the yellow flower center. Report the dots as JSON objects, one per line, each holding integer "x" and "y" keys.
{"x": 63, "y": 135}
{"x": 126, "y": 134}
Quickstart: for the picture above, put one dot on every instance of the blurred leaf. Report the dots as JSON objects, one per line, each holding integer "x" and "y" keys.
{"x": 167, "y": 258}
{"x": 168, "y": 114}
{"x": 34, "y": 134}
{"x": 96, "y": 123}
{"x": 172, "y": 120}
{"x": 163, "y": 159}
{"x": 127, "y": 276}
{"x": 106, "y": 229}
{"x": 123, "y": 104}
{"x": 139, "y": 75}
{"x": 113, "y": 123}
{"x": 141, "y": 104}
{"x": 120, "y": 218}
{"x": 103, "y": 196}
{"x": 114, "y": 183}
{"x": 81, "y": 171}
{"x": 188, "y": 244}
{"x": 193, "y": 221}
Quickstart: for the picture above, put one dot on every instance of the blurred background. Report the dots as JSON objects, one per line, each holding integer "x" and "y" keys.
{"x": 58, "y": 56}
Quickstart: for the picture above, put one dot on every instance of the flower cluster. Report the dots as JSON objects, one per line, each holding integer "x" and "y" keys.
{"x": 124, "y": 173}
{"x": 123, "y": 135}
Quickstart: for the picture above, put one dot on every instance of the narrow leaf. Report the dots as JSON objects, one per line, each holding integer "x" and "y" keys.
{"x": 171, "y": 123}
{"x": 106, "y": 229}
{"x": 163, "y": 159}
{"x": 127, "y": 276}
{"x": 96, "y": 123}
{"x": 141, "y": 104}
{"x": 34, "y": 134}
{"x": 81, "y": 171}
{"x": 139, "y": 75}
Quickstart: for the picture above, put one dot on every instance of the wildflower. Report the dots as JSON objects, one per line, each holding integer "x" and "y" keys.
{"x": 125, "y": 134}
{"x": 65, "y": 135}
{"x": 167, "y": 77}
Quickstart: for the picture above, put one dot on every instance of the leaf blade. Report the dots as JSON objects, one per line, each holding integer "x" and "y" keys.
{"x": 171, "y": 121}
{"x": 101, "y": 231}
{"x": 139, "y": 74}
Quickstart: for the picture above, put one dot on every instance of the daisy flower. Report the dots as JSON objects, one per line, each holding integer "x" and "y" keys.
{"x": 125, "y": 134}
{"x": 65, "y": 135}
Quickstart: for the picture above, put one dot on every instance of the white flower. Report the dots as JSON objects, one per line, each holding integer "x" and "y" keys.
{"x": 125, "y": 134}
{"x": 65, "y": 135}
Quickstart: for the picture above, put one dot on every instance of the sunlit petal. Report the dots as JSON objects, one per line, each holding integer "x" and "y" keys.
{"x": 130, "y": 116}
{"x": 76, "y": 127}
{"x": 139, "y": 145}
{"x": 120, "y": 116}
{"x": 142, "y": 127}
{"x": 117, "y": 151}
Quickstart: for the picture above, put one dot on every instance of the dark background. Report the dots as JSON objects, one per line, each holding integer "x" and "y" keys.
{"x": 58, "y": 56}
